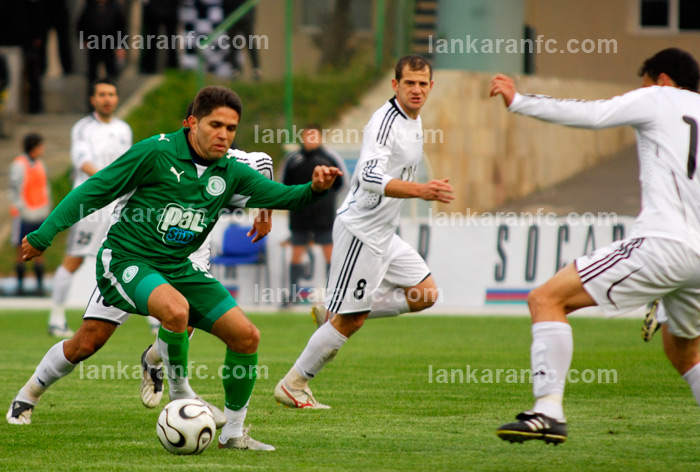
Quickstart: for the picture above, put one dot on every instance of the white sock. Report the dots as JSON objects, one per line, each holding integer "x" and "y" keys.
{"x": 52, "y": 367}
{"x": 550, "y": 356}
{"x": 152, "y": 355}
{"x": 61, "y": 286}
{"x": 320, "y": 350}
{"x": 179, "y": 386}
{"x": 550, "y": 405}
{"x": 152, "y": 322}
{"x": 693, "y": 379}
{"x": 234, "y": 424}
{"x": 391, "y": 303}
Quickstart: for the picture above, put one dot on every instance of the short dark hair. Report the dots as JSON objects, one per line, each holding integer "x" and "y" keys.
{"x": 31, "y": 141}
{"x": 315, "y": 126}
{"x": 190, "y": 106}
{"x": 215, "y": 96}
{"x": 103, "y": 80}
{"x": 414, "y": 62}
{"x": 677, "y": 64}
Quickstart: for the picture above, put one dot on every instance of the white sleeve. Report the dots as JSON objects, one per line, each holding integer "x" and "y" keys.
{"x": 80, "y": 151}
{"x": 635, "y": 108}
{"x": 262, "y": 163}
{"x": 15, "y": 188}
{"x": 374, "y": 156}
{"x": 129, "y": 134}
{"x": 258, "y": 161}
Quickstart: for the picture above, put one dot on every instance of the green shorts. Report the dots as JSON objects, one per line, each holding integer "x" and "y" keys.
{"x": 126, "y": 283}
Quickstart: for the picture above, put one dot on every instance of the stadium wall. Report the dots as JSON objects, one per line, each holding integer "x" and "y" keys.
{"x": 493, "y": 156}
{"x": 481, "y": 265}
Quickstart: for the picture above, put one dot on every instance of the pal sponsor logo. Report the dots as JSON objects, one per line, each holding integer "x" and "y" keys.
{"x": 179, "y": 225}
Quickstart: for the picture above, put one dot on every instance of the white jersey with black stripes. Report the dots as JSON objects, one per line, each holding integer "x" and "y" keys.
{"x": 255, "y": 160}
{"x": 392, "y": 148}
{"x": 666, "y": 122}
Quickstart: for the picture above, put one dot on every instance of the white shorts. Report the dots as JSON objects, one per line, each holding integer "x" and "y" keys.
{"x": 99, "y": 309}
{"x": 85, "y": 237}
{"x": 358, "y": 275}
{"x": 632, "y": 272}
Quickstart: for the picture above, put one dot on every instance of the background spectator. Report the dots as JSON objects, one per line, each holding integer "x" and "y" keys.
{"x": 33, "y": 32}
{"x": 4, "y": 84}
{"x": 157, "y": 13}
{"x": 30, "y": 202}
{"x": 59, "y": 20}
{"x": 313, "y": 223}
{"x": 104, "y": 19}
{"x": 243, "y": 27}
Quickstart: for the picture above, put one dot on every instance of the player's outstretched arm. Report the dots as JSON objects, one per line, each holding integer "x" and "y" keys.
{"x": 29, "y": 252}
{"x": 504, "y": 86}
{"x": 324, "y": 177}
{"x": 439, "y": 190}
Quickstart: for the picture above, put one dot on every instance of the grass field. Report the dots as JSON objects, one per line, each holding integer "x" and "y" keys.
{"x": 386, "y": 413}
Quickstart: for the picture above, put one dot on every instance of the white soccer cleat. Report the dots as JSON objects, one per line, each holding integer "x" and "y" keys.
{"x": 19, "y": 412}
{"x": 219, "y": 416}
{"x": 319, "y": 314}
{"x": 151, "y": 382}
{"x": 245, "y": 442}
{"x": 60, "y": 331}
{"x": 297, "y": 398}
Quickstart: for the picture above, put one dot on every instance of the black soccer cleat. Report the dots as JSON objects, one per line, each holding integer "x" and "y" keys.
{"x": 533, "y": 425}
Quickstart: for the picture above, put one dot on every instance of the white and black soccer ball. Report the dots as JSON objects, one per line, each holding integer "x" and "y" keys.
{"x": 186, "y": 426}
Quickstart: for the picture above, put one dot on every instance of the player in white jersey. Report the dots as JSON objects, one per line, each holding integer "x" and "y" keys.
{"x": 661, "y": 259}
{"x": 96, "y": 141}
{"x": 373, "y": 271}
{"x": 101, "y": 320}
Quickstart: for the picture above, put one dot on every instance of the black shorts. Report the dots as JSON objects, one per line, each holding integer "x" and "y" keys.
{"x": 302, "y": 238}
{"x": 21, "y": 228}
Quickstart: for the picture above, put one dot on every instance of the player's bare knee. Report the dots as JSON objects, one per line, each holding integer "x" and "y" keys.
{"x": 175, "y": 314}
{"x": 245, "y": 343}
{"x": 253, "y": 339}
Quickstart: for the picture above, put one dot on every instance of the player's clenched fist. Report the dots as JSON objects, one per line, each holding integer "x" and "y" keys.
{"x": 323, "y": 178}
{"x": 505, "y": 86}
{"x": 439, "y": 190}
{"x": 29, "y": 252}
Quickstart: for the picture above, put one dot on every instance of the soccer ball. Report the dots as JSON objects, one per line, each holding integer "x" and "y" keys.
{"x": 186, "y": 426}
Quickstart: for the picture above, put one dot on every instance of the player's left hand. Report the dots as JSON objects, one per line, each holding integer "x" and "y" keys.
{"x": 503, "y": 85}
{"x": 323, "y": 178}
{"x": 261, "y": 226}
{"x": 29, "y": 252}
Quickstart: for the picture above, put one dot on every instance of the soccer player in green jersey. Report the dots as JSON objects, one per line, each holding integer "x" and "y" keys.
{"x": 174, "y": 187}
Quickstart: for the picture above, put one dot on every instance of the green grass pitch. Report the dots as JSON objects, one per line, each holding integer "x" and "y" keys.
{"x": 387, "y": 414}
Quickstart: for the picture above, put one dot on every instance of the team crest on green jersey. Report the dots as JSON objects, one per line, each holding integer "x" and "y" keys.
{"x": 180, "y": 225}
{"x": 216, "y": 185}
{"x": 129, "y": 273}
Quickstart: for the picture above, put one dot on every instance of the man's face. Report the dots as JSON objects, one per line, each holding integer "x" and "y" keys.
{"x": 214, "y": 133}
{"x": 311, "y": 139}
{"x": 105, "y": 99}
{"x": 38, "y": 151}
{"x": 413, "y": 89}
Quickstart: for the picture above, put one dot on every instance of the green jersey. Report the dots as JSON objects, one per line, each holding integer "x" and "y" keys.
{"x": 169, "y": 205}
